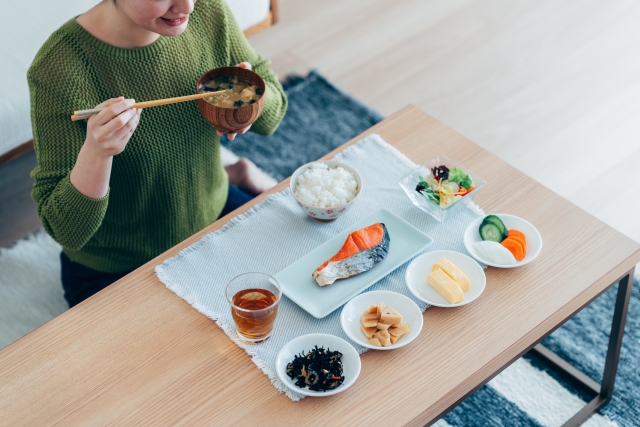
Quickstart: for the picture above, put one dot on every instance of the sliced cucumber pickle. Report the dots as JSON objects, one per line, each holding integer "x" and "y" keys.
{"x": 498, "y": 222}
{"x": 490, "y": 231}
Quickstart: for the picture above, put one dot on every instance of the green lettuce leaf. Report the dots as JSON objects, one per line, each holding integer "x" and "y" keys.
{"x": 458, "y": 175}
{"x": 425, "y": 190}
{"x": 431, "y": 195}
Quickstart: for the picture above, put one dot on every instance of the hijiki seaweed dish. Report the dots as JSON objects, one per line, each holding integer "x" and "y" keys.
{"x": 238, "y": 92}
{"x": 319, "y": 369}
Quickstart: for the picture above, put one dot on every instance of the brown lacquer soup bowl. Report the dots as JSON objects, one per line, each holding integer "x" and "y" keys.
{"x": 231, "y": 119}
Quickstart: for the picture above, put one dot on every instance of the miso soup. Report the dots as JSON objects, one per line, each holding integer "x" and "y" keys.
{"x": 238, "y": 92}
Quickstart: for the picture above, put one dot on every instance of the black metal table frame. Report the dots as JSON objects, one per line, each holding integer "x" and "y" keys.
{"x": 603, "y": 391}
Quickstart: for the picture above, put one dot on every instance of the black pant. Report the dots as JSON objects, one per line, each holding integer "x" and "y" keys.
{"x": 80, "y": 282}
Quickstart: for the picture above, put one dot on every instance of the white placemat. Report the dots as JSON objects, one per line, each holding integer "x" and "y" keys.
{"x": 276, "y": 232}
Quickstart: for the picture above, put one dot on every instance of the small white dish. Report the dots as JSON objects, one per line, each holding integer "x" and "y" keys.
{"x": 305, "y": 343}
{"x": 534, "y": 240}
{"x": 354, "y": 309}
{"x": 420, "y": 268}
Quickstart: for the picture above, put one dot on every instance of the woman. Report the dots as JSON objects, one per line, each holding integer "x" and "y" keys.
{"x": 121, "y": 188}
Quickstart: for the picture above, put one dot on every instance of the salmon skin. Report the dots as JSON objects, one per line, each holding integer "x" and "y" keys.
{"x": 362, "y": 250}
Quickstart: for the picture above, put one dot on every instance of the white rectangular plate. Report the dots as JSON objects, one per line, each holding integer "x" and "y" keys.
{"x": 406, "y": 241}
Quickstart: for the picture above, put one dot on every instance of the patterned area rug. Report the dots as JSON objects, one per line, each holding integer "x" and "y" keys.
{"x": 320, "y": 118}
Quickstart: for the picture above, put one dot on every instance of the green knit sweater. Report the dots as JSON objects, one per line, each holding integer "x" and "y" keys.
{"x": 169, "y": 182}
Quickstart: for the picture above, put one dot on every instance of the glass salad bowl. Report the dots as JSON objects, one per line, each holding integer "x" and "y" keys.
{"x": 451, "y": 190}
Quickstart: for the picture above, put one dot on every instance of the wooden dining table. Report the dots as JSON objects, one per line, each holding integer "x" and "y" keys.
{"x": 137, "y": 354}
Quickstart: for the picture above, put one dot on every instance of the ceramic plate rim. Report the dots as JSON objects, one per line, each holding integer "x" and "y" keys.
{"x": 437, "y": 304}
{"x": 304, "y": 391}
{"x": 366, "y": 344}
{"x": 476, "y": 223}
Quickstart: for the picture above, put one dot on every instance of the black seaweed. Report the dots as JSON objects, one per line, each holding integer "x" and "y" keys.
{"x": 319, "y": 369}
{"x": 258, "y": 91}
{"x": 238, "y": 104}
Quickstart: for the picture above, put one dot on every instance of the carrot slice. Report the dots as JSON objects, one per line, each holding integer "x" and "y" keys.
{"x": 517, "y": 233}
{"x": 523, "y": 244}
{"x": 515, "y": 247}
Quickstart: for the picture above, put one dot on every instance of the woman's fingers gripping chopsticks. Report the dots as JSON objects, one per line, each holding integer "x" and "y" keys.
{"x": 123, "y": 134}
{"x": 109, "y": 131}
{"x": 109, "y": 102}
{"x": 112, "y": 110}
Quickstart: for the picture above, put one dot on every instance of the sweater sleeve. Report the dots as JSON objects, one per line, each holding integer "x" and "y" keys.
{"x": 67, "y": 215}
{"x": 275, "y": 105}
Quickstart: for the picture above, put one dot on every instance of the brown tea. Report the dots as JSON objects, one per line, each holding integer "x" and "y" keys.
{"x": 255, "y": 320}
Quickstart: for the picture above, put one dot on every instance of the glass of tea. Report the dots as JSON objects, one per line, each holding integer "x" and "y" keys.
{"x": 254, "y": 301}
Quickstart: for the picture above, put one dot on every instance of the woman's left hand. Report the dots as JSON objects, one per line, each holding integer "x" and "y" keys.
{"x": 232, "y": 135}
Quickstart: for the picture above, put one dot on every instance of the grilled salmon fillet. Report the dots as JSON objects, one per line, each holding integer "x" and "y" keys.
{"x": 362, "y": 250}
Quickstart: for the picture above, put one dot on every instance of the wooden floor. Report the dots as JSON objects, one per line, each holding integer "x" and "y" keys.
{"x": 551, "y": 87}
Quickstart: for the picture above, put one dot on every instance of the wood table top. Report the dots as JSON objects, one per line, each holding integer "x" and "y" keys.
{"x": 137, "y": 354}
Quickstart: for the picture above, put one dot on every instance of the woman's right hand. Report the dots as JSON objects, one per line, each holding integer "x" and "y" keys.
{"x": 107, "y": 135}
{"x": 109, "y": 131}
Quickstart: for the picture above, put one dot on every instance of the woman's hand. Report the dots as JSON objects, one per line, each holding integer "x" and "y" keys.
{"x": 109, "y": 131}
{"x": 107, "y": 135}
{"x": 232, "y": 135}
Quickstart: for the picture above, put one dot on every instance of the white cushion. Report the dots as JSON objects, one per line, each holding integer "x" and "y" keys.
{"x": 27, "y": 26}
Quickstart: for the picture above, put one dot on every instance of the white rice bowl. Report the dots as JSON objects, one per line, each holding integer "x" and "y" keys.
{"x": 324, "y": 187}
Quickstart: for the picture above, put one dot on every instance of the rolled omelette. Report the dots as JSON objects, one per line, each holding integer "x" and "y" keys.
{"x": 445, "y": 286}
{"x": 454, "y": 272}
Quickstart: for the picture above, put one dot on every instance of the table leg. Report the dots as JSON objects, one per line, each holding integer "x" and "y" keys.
{"x": 603, "y": 391}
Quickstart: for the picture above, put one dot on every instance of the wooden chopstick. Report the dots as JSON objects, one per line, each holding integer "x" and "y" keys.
{"x": 85, "y": 114}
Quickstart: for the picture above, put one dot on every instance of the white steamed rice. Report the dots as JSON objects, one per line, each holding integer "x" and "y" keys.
{"x": 325, "y": 187}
